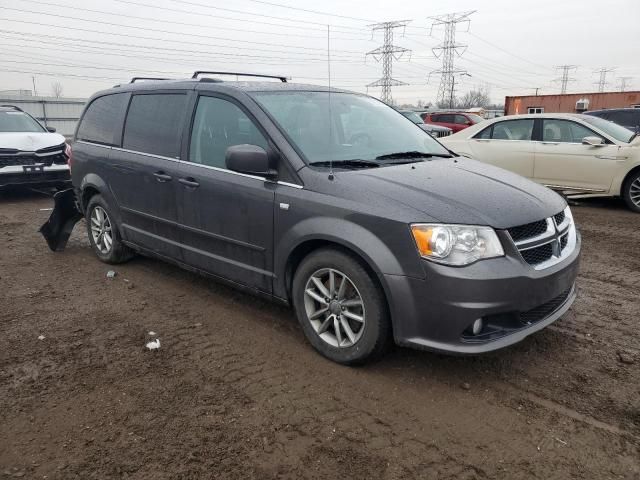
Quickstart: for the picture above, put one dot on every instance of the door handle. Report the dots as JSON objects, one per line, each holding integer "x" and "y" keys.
{"x": 162, "y": 177}
{"x": 189, "y": 182}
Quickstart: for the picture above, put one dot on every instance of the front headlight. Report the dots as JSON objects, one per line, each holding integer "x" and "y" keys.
{"x": 456, "y": 244}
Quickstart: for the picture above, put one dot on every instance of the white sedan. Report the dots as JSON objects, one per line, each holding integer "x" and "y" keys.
{"x": 577, "y": 154}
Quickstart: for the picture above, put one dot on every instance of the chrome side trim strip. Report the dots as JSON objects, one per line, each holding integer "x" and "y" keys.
{"x": 578, "y": 189}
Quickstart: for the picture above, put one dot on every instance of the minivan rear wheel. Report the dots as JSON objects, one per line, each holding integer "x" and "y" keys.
{"x": 103, "y": 232}
{"x": 340, "y": 307}
{"x": 631, "y": 191}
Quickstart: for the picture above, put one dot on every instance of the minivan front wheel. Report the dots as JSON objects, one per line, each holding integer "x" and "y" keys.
{"x": 631, "y": 192}
{"x": 103, "y": 232}
{"x": 341, "y": 309}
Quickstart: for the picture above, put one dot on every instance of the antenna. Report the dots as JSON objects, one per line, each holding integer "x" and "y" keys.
{"x": 331, "y": 176}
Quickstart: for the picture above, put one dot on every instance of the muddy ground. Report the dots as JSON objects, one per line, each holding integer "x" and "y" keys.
{"x": 235, "y": 392}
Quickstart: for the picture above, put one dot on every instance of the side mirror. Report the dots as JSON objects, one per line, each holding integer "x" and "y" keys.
{"x": 468, "y": 122}
{"x": 593, "y": 141}
{"x": 51, "y": 129}
{"x": 249, "y": 159}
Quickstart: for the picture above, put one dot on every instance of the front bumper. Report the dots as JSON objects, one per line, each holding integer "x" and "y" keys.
{"x": 19, "y": 175}
{"x": 513, "y": 299}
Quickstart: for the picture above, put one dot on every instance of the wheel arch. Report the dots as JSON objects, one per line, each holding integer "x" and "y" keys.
{"x": 92, "y": 184}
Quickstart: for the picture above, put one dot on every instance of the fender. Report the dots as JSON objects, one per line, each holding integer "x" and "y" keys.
{"x": 356, "y": 238}
{"x": 94, "y": 181}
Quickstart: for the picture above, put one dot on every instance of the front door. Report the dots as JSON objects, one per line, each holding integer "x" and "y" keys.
{"x": 562, "y": 160}
{"x": 226, "y": 217}
{"x": 145, "y": 171}
{"x": 506, "y": 144}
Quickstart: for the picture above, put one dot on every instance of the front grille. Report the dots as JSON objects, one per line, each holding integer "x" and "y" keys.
{"x": 17, "y": 160}
{"x": 563, "y": 241}
{"x": 559, "y": 217}
{"x": 537, "y": 255}
{"x": 445, "y": 133}
{"x": 543, "y": 311}
{"x": 529, "y": 230}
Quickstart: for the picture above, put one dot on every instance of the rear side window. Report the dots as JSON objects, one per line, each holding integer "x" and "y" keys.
{"x": 154, "y": 124}
{"x": 102, "y": 119}
{"x": 625, "y": 118}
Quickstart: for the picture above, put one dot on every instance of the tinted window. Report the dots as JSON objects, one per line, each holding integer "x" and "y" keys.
{"x": 218, "y": 125}
{"x": 15, "y": 121}
{"x": 513, "y": 130}
{"x": 445, "y": 118}
{"x": 154, "y": 124}
{"x": 102, "y": 118}
{"x": 564, "y": 131}
{"x": 625, "y": 118}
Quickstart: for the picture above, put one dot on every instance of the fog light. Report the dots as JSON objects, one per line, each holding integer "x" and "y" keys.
{"x": 477, "y": 326}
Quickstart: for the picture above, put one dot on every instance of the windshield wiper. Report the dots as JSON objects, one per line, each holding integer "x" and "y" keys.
{"x": 411, "y": 154}
{"x": 346, "y": 164}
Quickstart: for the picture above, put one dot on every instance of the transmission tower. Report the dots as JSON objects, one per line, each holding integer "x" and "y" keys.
{"x": 565, "y": 78}
{"x": 602, "y": 82}
{"x": 447, "y": 50}
{"x": 388, "y": 53}
{"x": 623, "y": 81}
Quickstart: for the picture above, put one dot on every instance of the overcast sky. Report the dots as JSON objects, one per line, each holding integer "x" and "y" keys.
{"x": 512, "y": 46}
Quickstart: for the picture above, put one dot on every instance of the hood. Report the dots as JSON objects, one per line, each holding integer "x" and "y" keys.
{"x": 29, "y": 141}
{"x": 458, "y": 191}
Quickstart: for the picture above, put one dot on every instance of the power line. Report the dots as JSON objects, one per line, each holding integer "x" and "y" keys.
{"x": 447, "y": 49}
{"x": 188, "y": 24}
{"x": 387, "y": 53}
{"x": 564, "y": 78}
{"x": 274, "y": 4}
{"x": 508, "y": 52}
{"x": 602, "y": 82}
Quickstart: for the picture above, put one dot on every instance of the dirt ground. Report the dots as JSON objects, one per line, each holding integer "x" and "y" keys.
{"x": 235, "y": 392}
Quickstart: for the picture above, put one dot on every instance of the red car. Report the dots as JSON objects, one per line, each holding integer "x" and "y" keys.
{"x": 456, "y": 121}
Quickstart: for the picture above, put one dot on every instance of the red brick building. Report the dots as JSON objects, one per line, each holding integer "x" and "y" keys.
{"x": 570, "y": 102}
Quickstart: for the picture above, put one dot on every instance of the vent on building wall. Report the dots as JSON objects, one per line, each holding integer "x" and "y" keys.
{"x": 582, "y": 105}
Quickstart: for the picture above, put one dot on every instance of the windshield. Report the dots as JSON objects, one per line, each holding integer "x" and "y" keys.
{"x": 14, "y": 121}
{"x": 612, "y": 129}
{"x": 413, "y": 116}
{"x": 356, "y": 127}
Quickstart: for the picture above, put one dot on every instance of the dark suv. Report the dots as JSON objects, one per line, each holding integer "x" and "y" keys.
{"x": 626, "y": 117}
{"x": 281, "y": 189}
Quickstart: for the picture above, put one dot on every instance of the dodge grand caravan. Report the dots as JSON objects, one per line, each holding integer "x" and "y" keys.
{"x": 373, "y": 234}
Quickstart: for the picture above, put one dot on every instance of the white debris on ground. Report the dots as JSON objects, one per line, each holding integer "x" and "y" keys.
{"x": 152, "y": 341}
{"x": 41, "y": 337}
{"x": 111, "y": 274}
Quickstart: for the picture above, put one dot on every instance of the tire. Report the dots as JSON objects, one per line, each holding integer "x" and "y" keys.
{"x": 360, "y": 297}
{"x": 631, "y": 191}
{"x": 111, "y": 252}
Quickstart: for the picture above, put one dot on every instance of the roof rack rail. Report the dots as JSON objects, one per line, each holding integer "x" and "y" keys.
{"x": 135, "y": 79}
{"x": 196, "y": 74}
{"x": 12, "y": 106}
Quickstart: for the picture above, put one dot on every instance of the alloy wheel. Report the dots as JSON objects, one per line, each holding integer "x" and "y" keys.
{"x": 335, "y": 308}
{"x": 101, "y": 230}
{"x": 634, "y": 192}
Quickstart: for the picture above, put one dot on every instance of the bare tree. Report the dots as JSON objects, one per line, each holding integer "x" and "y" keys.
{"x": 56, "y": 89}
{"x": 479, "y": 97}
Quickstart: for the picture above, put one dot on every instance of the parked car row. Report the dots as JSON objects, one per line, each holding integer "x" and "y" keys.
{"x": 326, "y": 200}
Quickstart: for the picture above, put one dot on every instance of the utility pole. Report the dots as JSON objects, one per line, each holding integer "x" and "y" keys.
{"x": 388, "y": 52}
{"x": 602, "y": 82}
{"x": 564, "y": 78}
{"x": 447, "y": 50}
{"x": 33, "y": 80}
{"x": 623, "y": 83}
{"x": 536, "y": 89}
{"x": 452, "y": 95}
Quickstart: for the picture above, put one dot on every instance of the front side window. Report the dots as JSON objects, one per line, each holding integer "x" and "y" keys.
{"x": 461, "y": 120}
{"x": 341, "y": 126}
{"x": 16, "y": 121}
{"x": 610, "y": 128}
{"x": 102, "y": 118}
{"x": 513, "y": 130}
{"x": 564, "y": 131}
{"x": 154, "y": 124}
{"x": 484, "y": 134}
{"x": 218, "y": 125}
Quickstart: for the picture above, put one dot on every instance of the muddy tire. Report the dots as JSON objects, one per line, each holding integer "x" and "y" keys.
{"x": 103, "y": 232}
{"x": 341, "y": 308}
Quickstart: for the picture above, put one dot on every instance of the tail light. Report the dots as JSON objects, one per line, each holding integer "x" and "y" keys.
{"x": 68, "y": 151}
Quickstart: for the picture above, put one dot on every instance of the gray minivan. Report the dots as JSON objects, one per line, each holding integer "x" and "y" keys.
{"x": 373, "y": 231}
